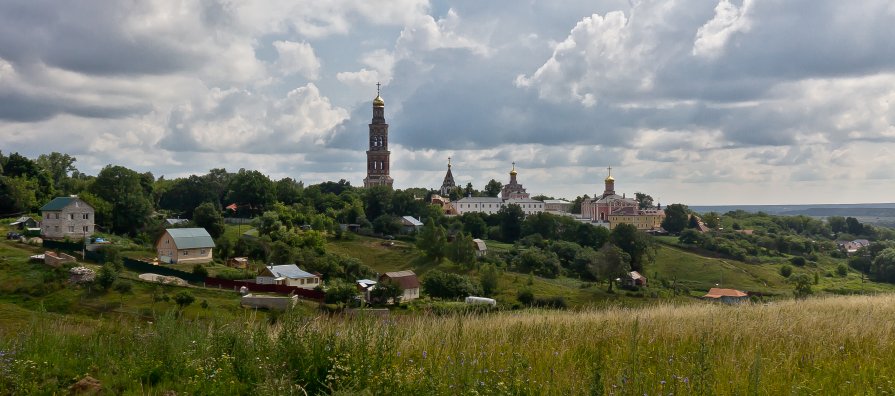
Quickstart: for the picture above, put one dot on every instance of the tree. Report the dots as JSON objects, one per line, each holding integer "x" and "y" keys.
{"x": 837, "y": 224}
{"x": 854, "y": 226}
{"x": 440, "y": 284}
{"x": 377, "y": 201}
{"x": 57, "y": 165}
{"x": 106, "y": 277}
{"x": 712, "y": 220}
{"x": 801, "y": 285}
{"x": 591, "y": 235}
{"x": 251, "y": 189}
{"x": 644, "y": 201}
{"x": 636, "y": 244}
{"x": 124, "y": 190}
{"x": 492, "y": 189}
{"x": 184, "y": 299}
{"x": 387, "y": 224}
{"x": 288, "y": 190}
{"x": 340, "y": 292}
{"x": 474, "y": 224}
{"x": 785, "y": 271}
{"x": 185, "y": 195}
{"x": 676, "y": 217}
{"x": 387, "y": 291}
{"x": 488, "y": 278}
{"x": 511, "y": 217}
{"x": 469, "y": 191}
{"x": 884, "y": 265}
{"x": 461, "y": 250}
{"x": 209, "y": 217}
{"x": 539, "y": 262}
{"x": 693, "y": 222}
{"x": 432, "y": 240}
{"x": 614, "y": 263}
{"x": 17, "y": 194}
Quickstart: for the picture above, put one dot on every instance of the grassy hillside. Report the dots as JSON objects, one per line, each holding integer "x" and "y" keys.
{"x": 817, "y": 346}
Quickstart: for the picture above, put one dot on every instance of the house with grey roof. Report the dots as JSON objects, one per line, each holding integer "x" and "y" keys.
{"x": 67, "y": 217}
{"x": 410, "y": 224}
{"x": 185, "y": 245}
{"x": 287, "y": 275}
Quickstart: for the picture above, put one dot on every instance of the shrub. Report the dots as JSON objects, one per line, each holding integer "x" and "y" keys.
{"x": 842, "y": 270}
{"x": 552, "y": 302}
{"x": 797, "y": 261}
{"x": 123, "y": 286}
{"x": 786, "y": 271}
{"x": 184, "y": 298}
{"x": 199, "y": 270}
{"x": 525, "y": 297}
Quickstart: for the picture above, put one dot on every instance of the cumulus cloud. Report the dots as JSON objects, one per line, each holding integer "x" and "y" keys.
{"x": 713, "y": 36}
{"x": 726, "y": 98}
{"x": 297, "y": 58}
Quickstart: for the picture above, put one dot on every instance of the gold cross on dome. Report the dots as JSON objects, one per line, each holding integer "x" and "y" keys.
{"x": 377, "y": 88}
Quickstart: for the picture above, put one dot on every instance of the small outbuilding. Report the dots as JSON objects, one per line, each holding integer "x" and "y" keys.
{"x": 185, "y": 245}
{"x": 238, "y": 262}
{"x": 410, "y": 224}
{"x": 24, "y": 222}
{"x": 727, "y": 296}
{"x": 635, "y": 279}
{"x": 481, "y": 249}
{"x": 406, "y": 280}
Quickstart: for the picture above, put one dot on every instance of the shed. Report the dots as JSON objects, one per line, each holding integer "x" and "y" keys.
{"x": 481, "y": 249}
{"x": 238, "y": 262}
{"x": 24, "y": 222}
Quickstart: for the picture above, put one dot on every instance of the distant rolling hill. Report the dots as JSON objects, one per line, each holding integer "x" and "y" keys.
{"x": 876, "y": 213}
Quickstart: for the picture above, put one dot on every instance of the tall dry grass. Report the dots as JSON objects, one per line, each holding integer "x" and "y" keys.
{"x": 836, "y": 346}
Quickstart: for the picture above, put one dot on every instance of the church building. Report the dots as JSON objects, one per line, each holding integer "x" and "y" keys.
{"x": 448, "y": 184}
{"x": 378, "y": 160}
{"x": 612, "y": 209}
{"x": 512, "y": 194}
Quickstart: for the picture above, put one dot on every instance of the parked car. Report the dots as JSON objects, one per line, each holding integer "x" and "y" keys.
{"x": 13, "y": 235}
{"x": 388, "y": 237}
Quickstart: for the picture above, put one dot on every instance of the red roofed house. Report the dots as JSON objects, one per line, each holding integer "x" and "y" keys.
{"x": 408, "y": 282}
{"x": 727, "y": 296}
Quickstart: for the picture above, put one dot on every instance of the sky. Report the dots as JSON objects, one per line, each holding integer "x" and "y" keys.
{"x": 691, "y": 101}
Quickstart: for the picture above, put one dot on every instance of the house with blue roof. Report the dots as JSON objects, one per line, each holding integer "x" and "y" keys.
{"x": 185, "y": 245}
{"x": 287, "y": 275}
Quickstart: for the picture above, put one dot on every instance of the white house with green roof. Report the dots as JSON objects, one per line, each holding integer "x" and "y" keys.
{"x": 185, "y": 245}
{"x": 67, "y": 217}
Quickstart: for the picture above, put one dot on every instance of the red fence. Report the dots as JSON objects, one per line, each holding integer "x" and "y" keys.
{"x": 254, "y": 287}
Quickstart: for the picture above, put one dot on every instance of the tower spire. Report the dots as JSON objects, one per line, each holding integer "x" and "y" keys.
{"x": 449, "y": 162}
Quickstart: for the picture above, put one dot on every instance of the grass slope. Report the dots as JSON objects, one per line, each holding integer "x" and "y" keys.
{"x": 817, "y": 346}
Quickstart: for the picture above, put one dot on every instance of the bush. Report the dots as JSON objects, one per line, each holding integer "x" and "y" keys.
{"x": 557, "y": 302}
{"x": 199, "y": 270}
{"x": 123, "y": 287}
{"x": 786, "y": 271}
{"x": 842, "y": 270}
{"x": 184, "y": 298}
{"x": 525, "y": 297}
{"x": 797, "y": 261}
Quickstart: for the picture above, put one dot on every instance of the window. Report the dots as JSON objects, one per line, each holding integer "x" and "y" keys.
{"x": 202, "y": 251}
{"x": 86, "y": 216}
{"x": 71, "y": 216}
{"x": 86, "y": 228}
{"x": 71, "y": 228}
{"x": 56, "y": 229}
{"x": 185, "y": 252}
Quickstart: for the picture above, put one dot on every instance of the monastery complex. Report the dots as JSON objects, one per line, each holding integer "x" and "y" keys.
{"x": 607, "y": 209}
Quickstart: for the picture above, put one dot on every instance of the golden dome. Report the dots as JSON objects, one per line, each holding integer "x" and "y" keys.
{"x": 610, "y": 179}
{"x": 513, "y": 172}
{"x": 378, "y": 102}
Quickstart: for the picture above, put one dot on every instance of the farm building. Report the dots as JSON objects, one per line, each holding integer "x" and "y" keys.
{"x": 481, "y": 249}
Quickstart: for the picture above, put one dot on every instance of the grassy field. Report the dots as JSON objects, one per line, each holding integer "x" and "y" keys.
{"x": 834, "y": 345}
